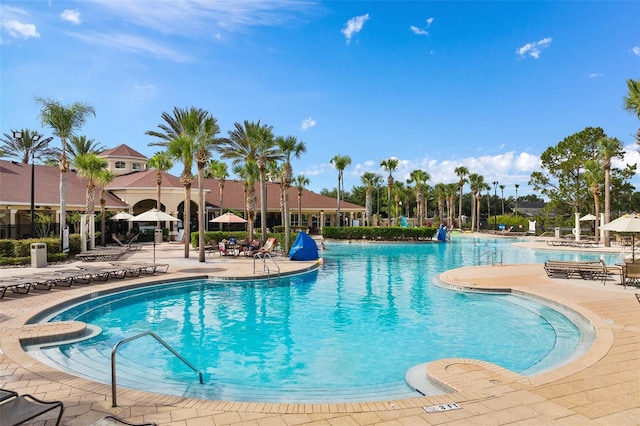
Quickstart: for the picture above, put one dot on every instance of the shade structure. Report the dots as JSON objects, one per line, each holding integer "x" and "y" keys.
{"x": 154, "y": 215}
{"x": 228, "y": 218}
{"x": 588, "y": 217}
{"x": 626, "y": 223}
{"x": 121, "y": 216}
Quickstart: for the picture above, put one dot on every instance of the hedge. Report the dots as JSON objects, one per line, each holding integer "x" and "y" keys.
{"x": 378, "y": 233}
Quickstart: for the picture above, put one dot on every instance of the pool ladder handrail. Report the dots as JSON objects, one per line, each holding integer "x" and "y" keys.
{"x": 137, "y": 336}
{"x": 265, "y": 267}
{"x": 491, "y": 257}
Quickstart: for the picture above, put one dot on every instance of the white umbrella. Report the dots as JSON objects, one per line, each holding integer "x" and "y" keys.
{"x": 121, "y": 216}
{"x": 588, "y": 217}
{"x": 626, "y": 223}
{"x": 228, "y": 218}
{"x": 154, "y": 215}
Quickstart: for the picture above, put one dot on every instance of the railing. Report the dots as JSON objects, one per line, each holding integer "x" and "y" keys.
{"x": 265, "y": 267}
{"x": 137, "y": 336}
{"x": 493, "y": 257}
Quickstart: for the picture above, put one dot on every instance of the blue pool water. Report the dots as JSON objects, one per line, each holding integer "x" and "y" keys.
{"x": 349, "y": 331}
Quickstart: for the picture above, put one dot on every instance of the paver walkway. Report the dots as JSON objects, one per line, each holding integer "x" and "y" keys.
{"x": 602, "y": 387}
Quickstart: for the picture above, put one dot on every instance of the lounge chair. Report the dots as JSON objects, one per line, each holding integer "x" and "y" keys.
{"x": 18, "y": 409}
{"x": 130, "y": 246}
{"x": 267, "y": 248}
{"x": 211, "y": 247}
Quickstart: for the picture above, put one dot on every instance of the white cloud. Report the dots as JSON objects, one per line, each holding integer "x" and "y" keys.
{"x": 132, "y": 44}
{"x": 353, "y": 26}
{"x": 418, "y": 31}
{"x": 533, "y": 49}
{"x": 636, "y": 50}
{"x": 596, "y": 75}
{"x": 72, "y": 16}
{"x": 18, "y": 29}
{"x": 429, "y": 21}
{"x": 308, "y": 123}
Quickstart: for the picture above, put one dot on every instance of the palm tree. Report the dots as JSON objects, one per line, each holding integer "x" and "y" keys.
{"x": 476, "y": 182}
{"x": 248, "y": 173}
{"x": 370, "y": 180}
{"x": 90, "y": 166}
{"x": 102, "y": 180}
{"x": 266, "y": 153}
{"x": 64, "y": 121}
{"x": 420, "y": 178}
{"x": 217, "y": 169}
{"x": 81, "y": 145}
{"x": 462, "y": 173}
{"x": 632, "y": 99}
{"x": 594, "y": 177}
{"x": 29, "y": 144}
{"x": 450, "y": 191}
{"x": 290, "y": 148}
{"x": 515, "y": 213}
{"x": 608, "y": 148}
{"x": 440, "y": 194}
{"x": 340, "y": 162}
{"x": 182, "y": 133}
{"x": 389, "y": 165}
{"x": 300, "y": 182}
{"x": 160, "y": 162}
{"x": 502, "y": 197}
{"x": 481, "y": 186}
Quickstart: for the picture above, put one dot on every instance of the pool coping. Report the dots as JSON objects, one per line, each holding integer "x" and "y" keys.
{"x": 551, "y": 396}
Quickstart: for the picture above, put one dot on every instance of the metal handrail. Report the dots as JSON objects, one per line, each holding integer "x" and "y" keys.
{"x": 491, "y": 257}
{"x": 265, "y": 267}
{"x": 137, "y": 336}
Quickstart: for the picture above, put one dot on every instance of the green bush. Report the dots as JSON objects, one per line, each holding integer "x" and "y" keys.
{"x": 18, "y": 252}
{"x": 378, "y": 233}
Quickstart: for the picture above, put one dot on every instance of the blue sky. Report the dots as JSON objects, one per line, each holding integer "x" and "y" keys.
{"x": 486, "y": 85}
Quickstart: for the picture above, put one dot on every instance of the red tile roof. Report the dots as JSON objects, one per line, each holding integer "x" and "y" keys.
{"x": 123, "y": 151}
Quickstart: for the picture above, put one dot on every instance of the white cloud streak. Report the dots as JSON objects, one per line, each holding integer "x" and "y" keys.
{"x": 534, "y": 49}
{"x": 596, "y": 75}
{"x": 307, "y": 123}
{"x": 354, "y": 26}
{"x": 636, "y": 50}
{"x": 18, "y": 29}
{"x": 72, "y": 16}
{"x": 418, "y": 31}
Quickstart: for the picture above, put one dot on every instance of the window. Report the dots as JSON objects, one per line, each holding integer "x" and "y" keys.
{"x": 120, "y": 165}
{"x": 136, "y": 166}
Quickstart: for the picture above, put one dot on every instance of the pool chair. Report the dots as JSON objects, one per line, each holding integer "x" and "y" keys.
{"x": 130, "y": 246}
{"x": 267, "y": 248}
{"x": 19, "y": 409}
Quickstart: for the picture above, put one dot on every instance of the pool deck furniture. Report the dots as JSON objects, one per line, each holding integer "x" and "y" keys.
{"x": 588, "y": 270}
{"x": 18, "y": 409}
{"x": 99, "y": 255}
{"x": 573, "y": 243}
{"x": 631, "y": 273}
{"x": 129, "y": 245}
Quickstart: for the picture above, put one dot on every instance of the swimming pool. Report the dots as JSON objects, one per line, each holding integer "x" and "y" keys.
{"x": 349, "y": 331}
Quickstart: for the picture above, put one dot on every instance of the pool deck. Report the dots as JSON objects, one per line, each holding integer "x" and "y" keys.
{"x": 602, "y": 387}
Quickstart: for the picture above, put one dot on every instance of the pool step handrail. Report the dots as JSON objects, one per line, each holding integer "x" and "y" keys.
{"x": 137, "y": 336}
{"x": 493, "y": 257}
{"x": 265, "y": 267}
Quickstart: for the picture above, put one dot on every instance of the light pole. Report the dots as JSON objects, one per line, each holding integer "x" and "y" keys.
{"x": 495, "y": 195}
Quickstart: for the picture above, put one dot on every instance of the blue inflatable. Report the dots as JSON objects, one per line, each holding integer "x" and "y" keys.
{"x": 303, "y": 248}
{"x": 442, "y": 234}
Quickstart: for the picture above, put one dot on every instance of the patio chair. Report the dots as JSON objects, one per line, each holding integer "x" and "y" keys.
{"x": 130, "y": 246}
{"x": 267, "y": 248}
{"x": 18, "y": 409}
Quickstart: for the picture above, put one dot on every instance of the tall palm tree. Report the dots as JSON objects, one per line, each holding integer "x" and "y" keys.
{"x": 266, "y": 153}
{"x": 389, "y": 165}
{"x": 160, "y": 162}
{"x": 82, "y": 145}
{"x": 300, "y": 182}
{"x": 515, "y": 213}
{"x": 439, "y": 192}
{"x": 450, "y": 191}
{"x": 64, "y": 121}
{"x": 103, "y": 180}
{"x": 340, "y": 162}
{"x": 242, "y": 147}
{"x": 90, "y": 166}
{"x": 370, "y": 180}
{"x": 290, "y": 148}
{"x": 462, "y": 173}
{"x": 420, "y": 178}
{"x": 594, "y": 178}
{"x": 217, "y": 169}
{"x": 632, "y": 99}
{"x": 475, "y": 182}
{"x": 482, "y": 185}
{"x": 502, "y": 187}
{"x": 607, "y": 149}
{"x": 205, "y": 129}
{"x": 182, "y": 133}
{"x": 30, "y": 144}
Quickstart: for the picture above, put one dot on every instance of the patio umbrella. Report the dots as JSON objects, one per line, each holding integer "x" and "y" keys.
{"x": 626, "y": 223}
{"x": 121, "y": 216}
{"x": 228, "y": 218}
{"x": 588, "y": 217}
{"x": 154, "y": 215}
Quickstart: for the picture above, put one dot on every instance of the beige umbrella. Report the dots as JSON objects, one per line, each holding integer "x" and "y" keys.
{"x": 228, "y": 218}
{"x": 588, "y": 217}
{"x": 121, "y": 216}
{"x": 154, "y": 215}
{"x": 626, "y": 223}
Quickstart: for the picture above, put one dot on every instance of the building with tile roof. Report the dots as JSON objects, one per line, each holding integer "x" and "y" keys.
{"x": 134, "y": 190}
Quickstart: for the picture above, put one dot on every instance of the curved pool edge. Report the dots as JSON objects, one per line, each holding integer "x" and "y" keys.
{"x": 535, "y": 388}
